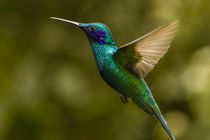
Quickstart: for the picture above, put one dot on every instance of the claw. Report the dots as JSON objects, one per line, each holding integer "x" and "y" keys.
{"x": 124, "y": 99}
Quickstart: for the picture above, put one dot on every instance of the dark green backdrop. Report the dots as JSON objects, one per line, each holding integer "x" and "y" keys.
{"x": 50, "y": 88}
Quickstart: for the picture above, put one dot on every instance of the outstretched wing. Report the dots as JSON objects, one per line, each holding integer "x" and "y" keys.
{"x": 141, "y": 55}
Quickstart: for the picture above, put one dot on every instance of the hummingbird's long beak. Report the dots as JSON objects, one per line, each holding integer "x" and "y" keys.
{"x": 65, "y": 20}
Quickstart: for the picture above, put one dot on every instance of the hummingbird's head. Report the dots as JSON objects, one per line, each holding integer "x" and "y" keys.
{"x": 97, "y": 33}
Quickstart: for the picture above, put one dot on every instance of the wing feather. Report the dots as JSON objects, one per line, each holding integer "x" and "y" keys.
{"x": 146, "y": 51}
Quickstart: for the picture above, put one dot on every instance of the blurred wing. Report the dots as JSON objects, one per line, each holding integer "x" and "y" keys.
{"x": 141, "y": 55}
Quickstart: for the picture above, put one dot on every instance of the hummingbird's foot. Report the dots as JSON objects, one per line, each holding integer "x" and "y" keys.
{"x": 124, "y": 99}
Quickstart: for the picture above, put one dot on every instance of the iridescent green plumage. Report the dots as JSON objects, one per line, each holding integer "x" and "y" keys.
{"x": 124, "y": 68}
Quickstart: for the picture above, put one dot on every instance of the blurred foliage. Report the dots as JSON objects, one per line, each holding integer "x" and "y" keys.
{"x": 50, "y": 88}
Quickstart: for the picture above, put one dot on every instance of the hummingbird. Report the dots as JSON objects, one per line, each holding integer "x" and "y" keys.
{"x": 124, "y": 68}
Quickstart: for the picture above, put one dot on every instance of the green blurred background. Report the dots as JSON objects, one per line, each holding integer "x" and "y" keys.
{"x": 50, "y": 88}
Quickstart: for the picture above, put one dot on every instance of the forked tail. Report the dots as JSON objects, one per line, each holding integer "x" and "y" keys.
{"x": 163, "y": 123}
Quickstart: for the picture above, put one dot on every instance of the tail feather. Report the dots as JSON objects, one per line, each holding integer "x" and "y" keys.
{"x": 163, "y": 123}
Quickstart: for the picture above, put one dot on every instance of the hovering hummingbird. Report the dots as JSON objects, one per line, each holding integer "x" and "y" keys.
{"x": 124, "y": 68}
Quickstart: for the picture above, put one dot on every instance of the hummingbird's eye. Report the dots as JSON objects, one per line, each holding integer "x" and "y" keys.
{"x": 92, "y": 28}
